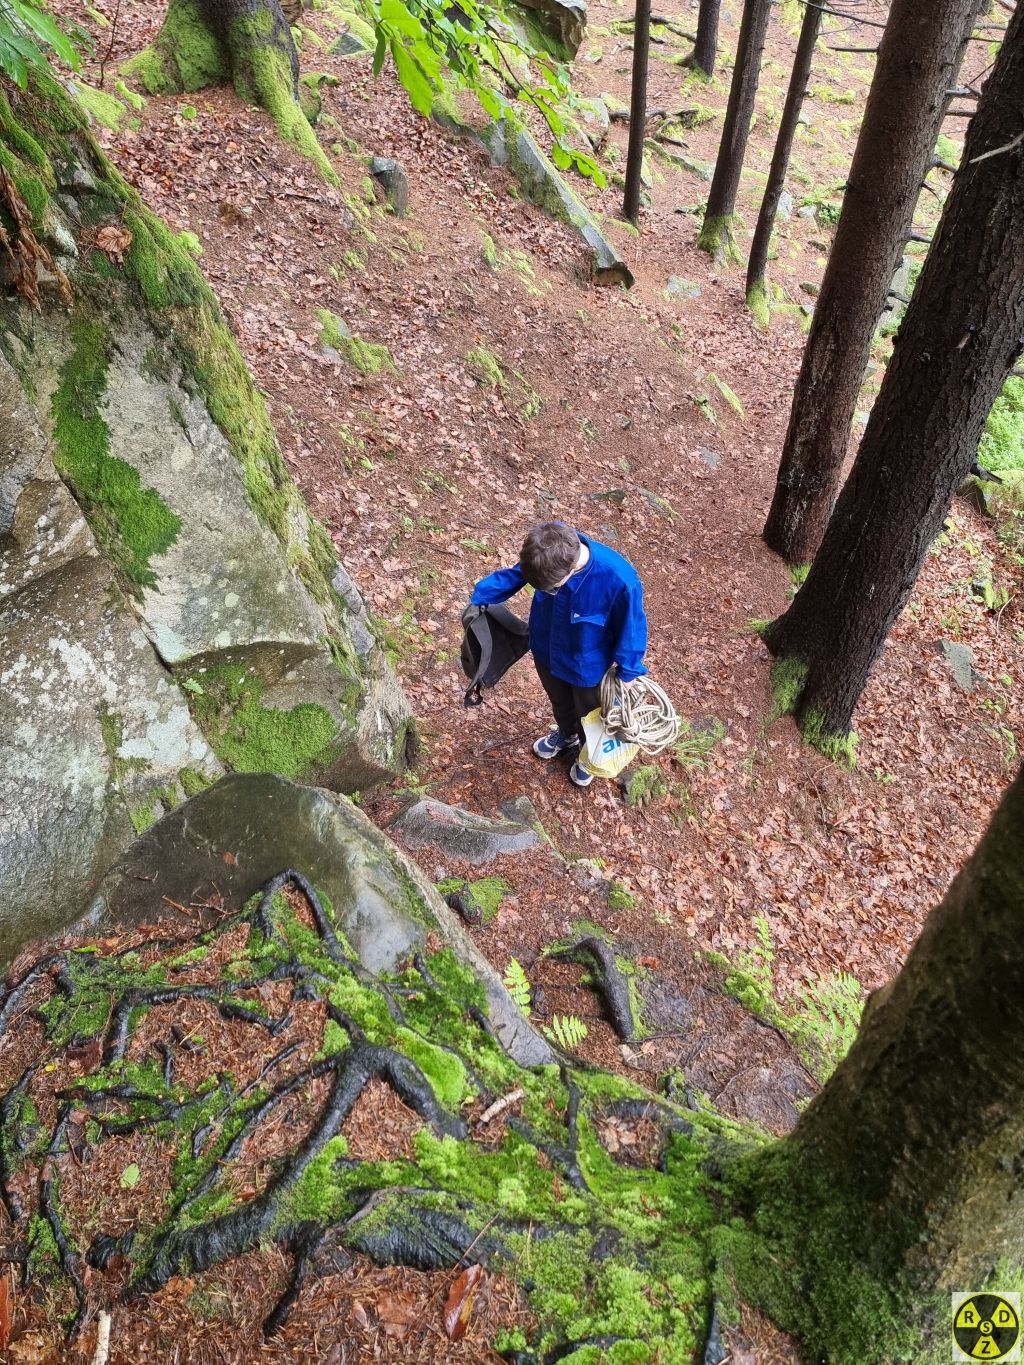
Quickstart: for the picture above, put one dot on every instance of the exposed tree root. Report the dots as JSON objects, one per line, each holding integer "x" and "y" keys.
{"x": 612, "y": 980}
{"x": 538, "y": 1186}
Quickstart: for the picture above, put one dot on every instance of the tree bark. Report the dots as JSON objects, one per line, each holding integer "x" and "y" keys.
{"x": 205, "y": 42}
{"x": 963, "y": 332}
{"x": 918, "y": 60}
{"x": 780, "y": 159}
{"x": 716, "y": 235}
{"x": 705, "y": 48}
{"x": 637, "y": 110}
{"x": 247, "y": 42}
{"x": 904, "y": 1175}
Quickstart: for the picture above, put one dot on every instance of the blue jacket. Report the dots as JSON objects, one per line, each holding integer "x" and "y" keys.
{"x": 591, "y": 622}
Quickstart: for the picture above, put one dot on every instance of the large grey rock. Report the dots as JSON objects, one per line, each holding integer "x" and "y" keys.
{"x": 226, "y": 602}
{"x": 510, "y": 144}
{"x": 97, "y": 738}
{"x": 240, "y": 833}
{"x": 97, "y": 742}
{"x": 461, "y": 834}
{"x": 224, "y": 582}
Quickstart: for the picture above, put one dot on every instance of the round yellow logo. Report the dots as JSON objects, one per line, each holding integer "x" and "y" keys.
{"x": 986, "y": 1327}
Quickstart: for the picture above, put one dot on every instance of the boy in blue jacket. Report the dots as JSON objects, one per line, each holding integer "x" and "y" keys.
{"x": 587, "y": 614}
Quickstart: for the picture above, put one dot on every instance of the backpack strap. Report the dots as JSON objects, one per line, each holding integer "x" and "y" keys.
{"x": 474, "y": 694}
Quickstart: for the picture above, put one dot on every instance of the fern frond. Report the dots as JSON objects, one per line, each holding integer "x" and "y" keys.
{"x": 517, "y": 984}
{"x": 567, "y": 1031}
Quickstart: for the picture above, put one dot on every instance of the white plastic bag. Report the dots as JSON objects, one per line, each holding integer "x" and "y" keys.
{"x": 604, "y": 754}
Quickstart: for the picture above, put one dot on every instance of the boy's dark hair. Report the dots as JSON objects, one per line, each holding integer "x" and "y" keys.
{"x": 549, "y": 553}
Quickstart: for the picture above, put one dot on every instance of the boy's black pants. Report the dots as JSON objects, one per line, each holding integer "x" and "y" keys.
{"x": 568, "y": 703}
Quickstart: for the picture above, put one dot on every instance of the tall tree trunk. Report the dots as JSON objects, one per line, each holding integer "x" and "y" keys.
{"x": 756, "y": 266}
{"x": 247, "y": 42}
{"x": 903, "y": 1179}
{"x": 637, "y": 110}
{"x": 716, "y": 234}
{"x": 918, "y": 61}
{"x": 705, "y": 49}
{"x": 962, "y": 333}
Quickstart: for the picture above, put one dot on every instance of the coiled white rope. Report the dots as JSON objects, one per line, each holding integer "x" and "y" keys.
{"x": 638, "y": 712}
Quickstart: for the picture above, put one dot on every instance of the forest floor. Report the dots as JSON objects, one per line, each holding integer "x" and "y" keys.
{"x": 428, "y": 476}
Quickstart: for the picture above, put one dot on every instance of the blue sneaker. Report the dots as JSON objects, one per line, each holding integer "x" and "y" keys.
{"x": 550, "y": 746}
{"x": 579, "y": 776}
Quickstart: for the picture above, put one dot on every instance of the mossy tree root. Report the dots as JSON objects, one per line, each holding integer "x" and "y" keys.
{"x": 593, "y": 952}
{"x": 581, "y": 1221}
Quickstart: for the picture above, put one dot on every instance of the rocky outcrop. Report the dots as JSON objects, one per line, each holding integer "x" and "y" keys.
{"x": 168, "y": 608}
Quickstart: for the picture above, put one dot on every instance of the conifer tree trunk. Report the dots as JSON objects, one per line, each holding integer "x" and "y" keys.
{"x": 903, "y": 1180}
{"x": 756, "y": 266}
{"x": 918, "y": 61}
{"x": 960, "y": 338}
{"x": 705, "y": 48}
{"x": 637, "y": 110}
{"x": 716, "y": 234}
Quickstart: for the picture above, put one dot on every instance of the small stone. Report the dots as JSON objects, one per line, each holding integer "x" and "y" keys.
{"x": 785, "y": 209}
{"x": 63, "y": 239}
{"x": 808, "y": 211}
{"x": 678, "y": 288}
{"x": 393, "y": 181}
{"x": 461, "y": 833}
{"x": 961, "y": 664}
{"x": 77, "y": 179}
{"x": 710, "y": 457}
{"x": 68, "y": 206}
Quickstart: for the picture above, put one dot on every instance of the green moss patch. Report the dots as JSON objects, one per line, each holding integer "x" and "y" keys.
{"x": 366, "y": 356}
{"x": 486, "y": 893}
{"x": 252, "y": 738}
{"x": 132, "y": 523}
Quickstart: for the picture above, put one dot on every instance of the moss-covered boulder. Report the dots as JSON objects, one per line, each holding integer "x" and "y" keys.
{"x": 162, "y": 585}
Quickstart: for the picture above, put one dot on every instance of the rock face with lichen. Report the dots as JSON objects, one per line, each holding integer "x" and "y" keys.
{"x": 168, "y": 608}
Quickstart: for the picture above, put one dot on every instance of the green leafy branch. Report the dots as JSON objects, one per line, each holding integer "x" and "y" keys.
{"x": 472, "y": 43}
{"x": 27, "y": 33}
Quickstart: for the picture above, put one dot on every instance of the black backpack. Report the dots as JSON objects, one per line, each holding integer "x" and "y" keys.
{"x": 495, "y": 638}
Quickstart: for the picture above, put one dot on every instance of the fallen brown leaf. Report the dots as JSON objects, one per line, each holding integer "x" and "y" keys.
{"x": 459, "y": 1304}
